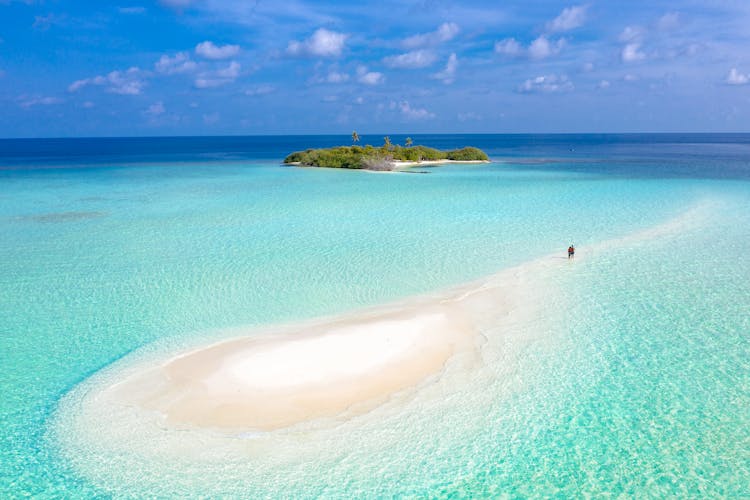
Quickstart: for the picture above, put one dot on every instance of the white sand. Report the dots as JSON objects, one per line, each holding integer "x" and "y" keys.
{"x": 341, "y": 353}
{"x": 400, "y": 164}
{"x": 274, "y": 381}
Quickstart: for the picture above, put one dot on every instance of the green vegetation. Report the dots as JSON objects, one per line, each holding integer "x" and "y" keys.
{"x": 379, "y": 158}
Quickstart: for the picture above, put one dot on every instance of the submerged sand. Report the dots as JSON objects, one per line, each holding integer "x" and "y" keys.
{"x": 337, "y": 367}
{"x": 424, "y": 377}
{"x": 347, "y": 365}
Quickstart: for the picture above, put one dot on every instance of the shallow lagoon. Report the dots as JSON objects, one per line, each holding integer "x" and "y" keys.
{"x": 636, "y": 380}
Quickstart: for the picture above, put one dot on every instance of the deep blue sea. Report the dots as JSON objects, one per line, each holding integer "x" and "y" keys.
{"x": 651, "y": 155}
{"x": 633, "y": 380}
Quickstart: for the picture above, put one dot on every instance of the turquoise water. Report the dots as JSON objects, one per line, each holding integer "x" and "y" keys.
{"x": 638, "y": 385}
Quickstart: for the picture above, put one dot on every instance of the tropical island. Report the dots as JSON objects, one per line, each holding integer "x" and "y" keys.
{"x": 389, "y": 156}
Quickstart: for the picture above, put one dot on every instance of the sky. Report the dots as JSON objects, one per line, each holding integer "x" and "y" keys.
{"x": 230, "y": 67}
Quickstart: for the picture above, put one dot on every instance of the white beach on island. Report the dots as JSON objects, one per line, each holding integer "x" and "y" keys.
{"x": 396, "y": 165}
{"x": 400, "y": 164}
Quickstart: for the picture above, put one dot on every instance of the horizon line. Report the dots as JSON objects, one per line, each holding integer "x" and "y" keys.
{"x": 383, "y": 134}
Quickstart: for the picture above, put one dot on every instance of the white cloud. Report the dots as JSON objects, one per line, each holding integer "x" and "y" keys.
{"x": 411, "y": 60}
{"x": 177, "y": 4}
{"x": 444, "y": 33}
{"x": 541, "y": 48}
{"x": 230, "y": 72}
{"x": 632, "y": 34}
{"x": 322, "y": 43}
{"x": 335, "y": 77}
{"x": 79, "y": 84}
{"x": 131, "y": 10}
{"x": 208, "y": 83}
{"x": 469, "y": 116}
{"x": 414, "y": 113}
{"x": 604, "y": 84}
{"x": 208, "y": 50}
{"x": 156, "y": 109}
{"x": 570, "y": 18}
{"x": 211, "y": 118}
{"x": 28, "y": 101}
{"x": 669, "y": 21}
{"x": 88, "y": 104}
{"x": 547, "y": 84}
{"x": 632, "y": 37}
{"x": 260, "y": 90}
{"x": 736, "y": 78}
{"x": 117, "y": 82}
{"x": 211, "y": 79}
{"x": 448, "y": 75}
{"x": 369, "y": 77}
{"x": 179, "y": 63}
{"x": 508, "y": 47}
{"x": 692, "y": 49}
{"x": 632, "y": 53}
{"x": 44, "y": 23}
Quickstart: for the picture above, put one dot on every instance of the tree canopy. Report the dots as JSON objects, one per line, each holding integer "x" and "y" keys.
{"x": 369, "y": 157}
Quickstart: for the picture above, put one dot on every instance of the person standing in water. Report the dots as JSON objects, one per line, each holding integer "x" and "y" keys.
{"x": 571, "y": 251}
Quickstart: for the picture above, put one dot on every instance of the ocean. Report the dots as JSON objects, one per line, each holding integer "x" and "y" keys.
{"x": 632, "y": 378}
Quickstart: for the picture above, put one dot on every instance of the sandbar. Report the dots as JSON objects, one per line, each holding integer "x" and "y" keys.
{"x": 268, "y": 382}
{"x": 343, "y": 366}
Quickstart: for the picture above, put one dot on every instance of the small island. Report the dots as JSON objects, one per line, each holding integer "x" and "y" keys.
{"x": 387, "y": 157}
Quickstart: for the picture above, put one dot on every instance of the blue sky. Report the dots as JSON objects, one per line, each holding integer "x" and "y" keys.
{"x": 195, "y": 67}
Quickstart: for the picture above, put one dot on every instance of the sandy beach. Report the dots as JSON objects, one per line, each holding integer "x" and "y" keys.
{"x": 399, "y": 164}
{"x": 276, "y": 381}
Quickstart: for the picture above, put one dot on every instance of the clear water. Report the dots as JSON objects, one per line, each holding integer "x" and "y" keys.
{"x": 638, "y": 385}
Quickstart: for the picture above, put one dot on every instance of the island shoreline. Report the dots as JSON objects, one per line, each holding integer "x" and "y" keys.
{"x": 383, "y": 158}
{"x": 398, "y": 165}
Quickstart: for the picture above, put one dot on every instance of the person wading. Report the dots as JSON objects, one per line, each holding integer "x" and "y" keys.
{"x": 571, "y": 251}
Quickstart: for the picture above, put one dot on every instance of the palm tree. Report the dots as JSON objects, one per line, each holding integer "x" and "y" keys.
{"x": 408, "y": 142}
{"x": 387, "y": 143}
{"x": 355, "y": 137}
